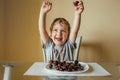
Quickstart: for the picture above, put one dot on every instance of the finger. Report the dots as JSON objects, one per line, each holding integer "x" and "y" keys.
{"x": 49, "y": 3}
{"x": 44, "y": 2}
{"x": 80, "y": 3}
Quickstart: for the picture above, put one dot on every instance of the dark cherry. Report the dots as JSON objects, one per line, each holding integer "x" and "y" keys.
{"x": 82, "y": 68}
{"x": 79, "y": 65}
{"x": 50, "y": 66}
{"x": 51, "y": 61}
{"x": 76, "y": 68}
{"x": 61, "y": 64}
{"x": 69, "y": 69}
{"x": 76, "y": 3}
{"x": 56, "y": 62}
{"x": 64, "y": 62}
{"x": 76, "y": 62}
{"x": 65, "y": 66}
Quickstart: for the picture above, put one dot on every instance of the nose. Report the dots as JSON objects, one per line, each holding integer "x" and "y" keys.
{"x": 59, "y": 33}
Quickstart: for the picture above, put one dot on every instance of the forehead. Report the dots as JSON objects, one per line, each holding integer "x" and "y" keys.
{"x": 60, "y": 25}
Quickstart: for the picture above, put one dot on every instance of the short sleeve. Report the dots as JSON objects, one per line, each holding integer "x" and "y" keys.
{"x": 48, "y": 44}
{"x": 71, "y": 44}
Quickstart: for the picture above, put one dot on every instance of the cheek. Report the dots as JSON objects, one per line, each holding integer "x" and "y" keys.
{"x": 66, "y": 36}
{"x": 53, "y": 35}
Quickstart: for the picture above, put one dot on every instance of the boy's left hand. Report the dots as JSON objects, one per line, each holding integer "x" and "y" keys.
{"x": 78, "y": 6}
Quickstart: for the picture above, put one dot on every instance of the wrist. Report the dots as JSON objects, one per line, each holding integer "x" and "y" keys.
{"x": 42, "y": 12}
{"x": 77, "y": 14}
{"x": 42, "y": 15}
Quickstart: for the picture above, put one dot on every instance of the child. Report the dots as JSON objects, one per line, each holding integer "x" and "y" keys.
{"x": 60, "y": 43}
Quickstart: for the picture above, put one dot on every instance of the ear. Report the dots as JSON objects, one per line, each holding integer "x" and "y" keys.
{"x": 68, "y": 34}
{"x": 50, "y": 35}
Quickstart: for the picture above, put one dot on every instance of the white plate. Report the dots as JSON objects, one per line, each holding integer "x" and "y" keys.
{"x": 85, "y": 65}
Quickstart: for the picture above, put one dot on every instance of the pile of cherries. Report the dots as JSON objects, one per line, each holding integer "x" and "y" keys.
{"x": 65, "y": 65}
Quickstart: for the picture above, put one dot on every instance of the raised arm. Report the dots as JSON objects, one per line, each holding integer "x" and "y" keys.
{"x": 45, "y": 8}
{"x": 78, "y": 6}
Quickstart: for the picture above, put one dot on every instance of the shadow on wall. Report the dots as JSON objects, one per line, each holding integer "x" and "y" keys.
{"x": 93, "y": 52}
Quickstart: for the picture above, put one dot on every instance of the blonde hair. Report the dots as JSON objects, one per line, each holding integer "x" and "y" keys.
{"x": 60, "y": 21}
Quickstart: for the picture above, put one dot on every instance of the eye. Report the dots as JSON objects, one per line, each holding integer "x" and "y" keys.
{"x": 63, "y": 31}
{"x": 55, "y": 30}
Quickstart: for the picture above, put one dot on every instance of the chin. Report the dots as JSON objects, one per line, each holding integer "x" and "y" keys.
{"x": 58, "y": 44}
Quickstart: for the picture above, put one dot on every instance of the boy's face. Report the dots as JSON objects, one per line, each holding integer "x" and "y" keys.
{"x": 59, "y": 33}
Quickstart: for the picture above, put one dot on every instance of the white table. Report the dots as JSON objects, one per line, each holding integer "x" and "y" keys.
{"x": 38, "y": 69}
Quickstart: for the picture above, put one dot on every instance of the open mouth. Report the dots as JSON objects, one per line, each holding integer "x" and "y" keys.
{"x": 58, "y": 39}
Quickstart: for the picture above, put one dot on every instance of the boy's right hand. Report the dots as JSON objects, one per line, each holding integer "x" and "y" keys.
{"x": 46, "y": 6}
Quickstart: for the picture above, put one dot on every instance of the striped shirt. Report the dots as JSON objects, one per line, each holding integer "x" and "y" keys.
{"x": 60, "y": 53}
